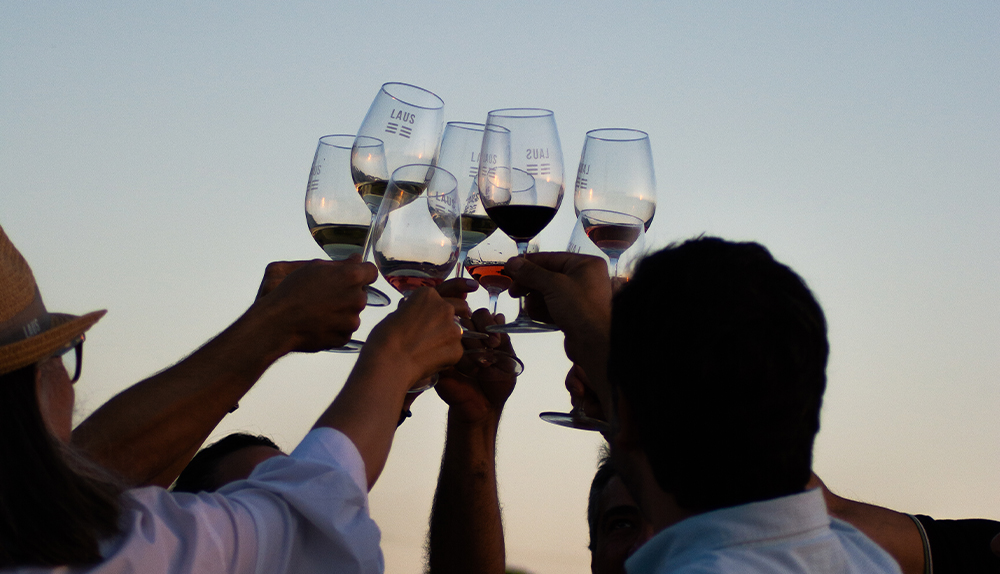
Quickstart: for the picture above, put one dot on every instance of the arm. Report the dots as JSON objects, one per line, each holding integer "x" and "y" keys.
{"x": 466, "y": 529}
{"x": 149, "y": 432}
{"x": 894, "y": 531}
{"x": 417, "y": 340}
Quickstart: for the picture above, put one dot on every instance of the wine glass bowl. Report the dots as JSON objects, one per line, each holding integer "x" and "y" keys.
{"x": 408, "y": 119}
{"x": 616, "y": 173}
{"x": 463, "y": 149}
{"x": 485, "y": 263}
{"x": 417, "y": 232}
{"x": 612, "y": 232}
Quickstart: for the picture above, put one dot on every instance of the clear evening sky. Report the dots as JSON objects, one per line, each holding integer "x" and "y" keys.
{"x": 154, "y": 156}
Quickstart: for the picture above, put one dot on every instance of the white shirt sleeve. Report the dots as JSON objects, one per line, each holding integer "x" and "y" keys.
{"x": 304, "y": 513}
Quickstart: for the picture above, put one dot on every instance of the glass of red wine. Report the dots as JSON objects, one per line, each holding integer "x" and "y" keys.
{"x": 616, "y": 173}
{"x": 513, "y": 204}
{"x": 461, "y": 146}
{"x": 519, "y": 210}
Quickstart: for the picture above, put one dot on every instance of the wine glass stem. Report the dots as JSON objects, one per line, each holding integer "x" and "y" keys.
{"x": 462, "y": 253}
{"x": 368, "y": 241}
{"x": 614, "y": 266}
{"x": 493, "y": 300}
{"x": 522, "y": 250}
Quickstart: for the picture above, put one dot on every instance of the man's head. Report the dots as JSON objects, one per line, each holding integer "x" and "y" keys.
{"x": 231, "y": 458}
{"x": 617, "y": 528}
{"x": 719, "y": 353}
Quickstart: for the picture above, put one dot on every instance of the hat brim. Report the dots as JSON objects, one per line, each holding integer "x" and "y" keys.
{"x": 65, "y": 328}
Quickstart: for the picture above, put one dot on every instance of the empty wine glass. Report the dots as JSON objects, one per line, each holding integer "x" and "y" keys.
{"x": 616, "y": 173}
{"x": 461, "y": 147}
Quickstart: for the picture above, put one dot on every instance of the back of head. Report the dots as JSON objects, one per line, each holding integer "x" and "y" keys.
{"x": 202, "y": 473}
{"x": 721, "y": 352}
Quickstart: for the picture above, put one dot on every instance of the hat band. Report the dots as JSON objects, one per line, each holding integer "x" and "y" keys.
{"x": 28, "y": 322}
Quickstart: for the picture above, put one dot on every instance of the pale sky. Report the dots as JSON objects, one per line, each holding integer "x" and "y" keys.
{"x": 153, "y": 159}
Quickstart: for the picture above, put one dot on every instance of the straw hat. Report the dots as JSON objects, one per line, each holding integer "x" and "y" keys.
{"x": 29, "y": 333}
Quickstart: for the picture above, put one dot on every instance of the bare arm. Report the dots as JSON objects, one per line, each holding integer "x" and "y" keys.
{"x": 466, "y": 529}
{"x": 148, "y": 432}
{"x": 417, "y": 340}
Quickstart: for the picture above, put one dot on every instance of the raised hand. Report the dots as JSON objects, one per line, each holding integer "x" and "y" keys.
{"x": 479, "y": 399}
{"x": 316, "y": 304}
{"x": 419, "y": 337}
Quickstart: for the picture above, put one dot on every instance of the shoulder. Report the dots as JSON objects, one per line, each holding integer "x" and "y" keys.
{"x": 862, "y": 553}
{"x": 313, "y": 502}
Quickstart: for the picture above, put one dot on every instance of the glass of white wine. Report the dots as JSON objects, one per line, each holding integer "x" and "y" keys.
{"x": 336, "y": 216}
{"x": 408, "y": 119}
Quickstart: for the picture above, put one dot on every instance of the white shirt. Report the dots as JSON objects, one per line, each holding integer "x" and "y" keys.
{"x": 787, "y": 535}
{"x": 307, "y": 512}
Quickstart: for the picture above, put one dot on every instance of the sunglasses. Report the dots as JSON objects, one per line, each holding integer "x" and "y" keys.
{"x": 74, "y": 362}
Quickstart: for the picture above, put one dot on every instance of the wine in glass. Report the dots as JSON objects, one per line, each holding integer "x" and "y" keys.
{"x": 485, "y": 263}
{"x": 522, "y": 200}
{"x": 408, "y": 119}
{"x": 337, "y": 218}
{"x": 616, "y": 173}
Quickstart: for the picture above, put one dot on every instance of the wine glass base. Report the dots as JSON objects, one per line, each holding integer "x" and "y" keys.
{"x": 579, "y": 422}
{"x": 376, "y": 298}
{"x": 428, "y": 383}
{"x": 352, "y": 346}
{"x": 522, "y": 326}
{"x": 480, "y": 363}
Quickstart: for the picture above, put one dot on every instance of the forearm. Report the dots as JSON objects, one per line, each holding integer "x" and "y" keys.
{"x": 466, "y": 530}
{"x": 148, "y": 432}
{"x": 367, "y": 408}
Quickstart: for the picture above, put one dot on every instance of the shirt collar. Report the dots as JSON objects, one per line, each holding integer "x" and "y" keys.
{"x": 736, "y": 525}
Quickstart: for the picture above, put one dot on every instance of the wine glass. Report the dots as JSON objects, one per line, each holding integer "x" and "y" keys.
{"x": 337, "y": 218}
{"x": 522, "y": 200}
{"x": 611, "y": 234}
{"x": 486, "y": 261}
{"x": 461, "y": 146}
{"x": 616, "y": 173}
{"x": 409, "y": 120}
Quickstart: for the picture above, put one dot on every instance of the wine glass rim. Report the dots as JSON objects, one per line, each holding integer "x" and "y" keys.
{"x": 522, "y": 113}
{"x": 597, "y": 212}
{"x": 331, "y": 140}
{"x": 617, "y": 134}
{"x": 429, "y": 167}
{"x": 470, "y": 126}
{"x": 386, "y": 86}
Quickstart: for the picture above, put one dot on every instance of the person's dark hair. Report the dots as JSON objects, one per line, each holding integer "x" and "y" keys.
{"x": 55, "y": 506}
{"x": 605, "y": 472}
{"x": 721, "y": 352}
{"x": 199, "y": 474}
